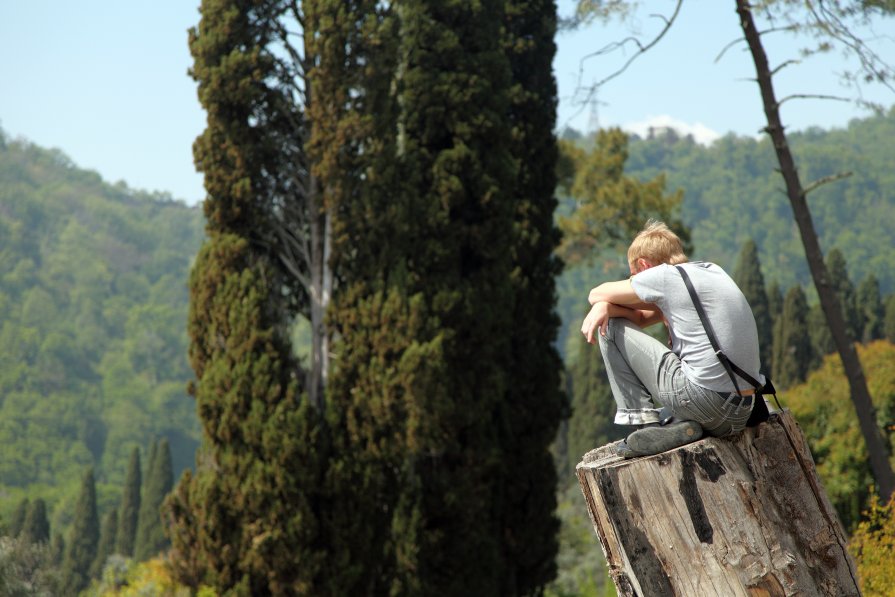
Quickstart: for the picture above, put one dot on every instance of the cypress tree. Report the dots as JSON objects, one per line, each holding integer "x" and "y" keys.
{"x": 247, "y": 521}
{"x": 106, "y": 547}
{"x": 57, "y": 549}
{"x": 352, "y": 150}
{"x": 889, "y": 322}
{"x": 821, "y": 338}
{"x": 150, "y": 539}
{"x": 130, "y": 507}
{"x": 533, "y": 406}
{"x": 845, "y": 291}
{"x": 869, "y": 305}
{"x": 792, "y": 352}
{"x": 36, "y": 528}
{"x": 750, "y": 280}
{"x": 457, "y": 170}
{"x": 80, "y": 549}
{"x": 17, "y": 522}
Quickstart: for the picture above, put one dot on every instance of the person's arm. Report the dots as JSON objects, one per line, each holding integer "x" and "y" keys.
{"x": 601, "y": 312}
{"x": 617, "y": 293}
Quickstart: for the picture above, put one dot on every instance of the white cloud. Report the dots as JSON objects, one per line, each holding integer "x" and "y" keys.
{"x": 701, "y": 133}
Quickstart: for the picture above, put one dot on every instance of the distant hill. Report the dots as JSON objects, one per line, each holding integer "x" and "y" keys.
{"x": 93, "y": 345}
{"x": 732, "y": 191}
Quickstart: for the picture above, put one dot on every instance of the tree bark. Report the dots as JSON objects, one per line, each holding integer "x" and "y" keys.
{"x": 744, "y": 515}
{"x": 860, "y": 395}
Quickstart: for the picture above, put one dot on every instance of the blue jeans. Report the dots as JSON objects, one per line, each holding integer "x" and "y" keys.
{"x": 645, "y": 375}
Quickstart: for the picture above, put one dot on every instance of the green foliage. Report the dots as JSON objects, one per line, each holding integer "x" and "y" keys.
{"x": 150, "y": 538}
{"x": 17, "y": 522}
{"x": 533, "y": 405}
{"x": 80, "y": 549}
{"x": 734, "y": 181}
{"x": 873, "y": 547}
{"x": 36, "y": 528}
{"x": 845, "y": 292}
{"x": 869, "y": 305}
{"x": 246, "y": 521}
{"x": 106, "y": 546}
{"x": 130, "y": 507}
{"x": 582, "y": 566}
{"x": 793, "y": 353}
{"x": 611, "y": 206}
{"x": 27, "y": 569}
{"x": 826, "y": 414}
{"x": 750, "y": 280}
{"x": 458, "y": 171}
{"x": 82, "y": 263}
{"x": 889, "y": 323}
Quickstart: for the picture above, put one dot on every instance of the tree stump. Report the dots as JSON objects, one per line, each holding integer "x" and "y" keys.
{"x": 741, "y": 515}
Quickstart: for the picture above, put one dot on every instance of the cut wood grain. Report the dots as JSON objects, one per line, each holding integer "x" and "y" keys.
{"x": 742, "y": 515}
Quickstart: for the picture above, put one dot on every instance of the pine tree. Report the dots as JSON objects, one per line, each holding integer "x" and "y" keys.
{"x": 792, "y": 351}
{"x": 17, "y": 522}
{"x": 750, "y": 280}
{"x": 775, "y": 308}
{"x": 106, "y": 547}
{"x": 247, "y": 521}
{"x": 80, "y": 549}
{"x": 57, "y": 549}
{"x": 130, "y": 507}
{"x": 36, "y": 528}
{"x": 869, "y": 304}
{"x": 150, "y": 539}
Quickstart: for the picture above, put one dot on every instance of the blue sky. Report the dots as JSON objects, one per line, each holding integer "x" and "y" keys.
{"x": 106, "y": 82}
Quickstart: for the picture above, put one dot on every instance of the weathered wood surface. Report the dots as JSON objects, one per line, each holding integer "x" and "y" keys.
{"x": 743, "y": 515}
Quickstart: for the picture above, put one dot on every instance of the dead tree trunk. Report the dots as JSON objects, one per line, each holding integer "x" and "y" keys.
{"x": 860, "y": 395}
{"x": 738, "y": 516}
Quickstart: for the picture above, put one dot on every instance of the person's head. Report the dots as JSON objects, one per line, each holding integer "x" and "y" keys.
{"x": 653, "y": 245}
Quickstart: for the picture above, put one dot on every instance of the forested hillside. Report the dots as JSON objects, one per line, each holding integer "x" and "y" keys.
{"x": 93, "y": 303}
{"x": 732, "y": 192}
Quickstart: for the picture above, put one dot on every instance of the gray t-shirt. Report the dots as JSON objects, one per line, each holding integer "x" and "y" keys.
{"x": 726, "y": 309}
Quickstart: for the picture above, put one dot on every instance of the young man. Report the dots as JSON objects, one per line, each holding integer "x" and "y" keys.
{"x": 688, "y": 379}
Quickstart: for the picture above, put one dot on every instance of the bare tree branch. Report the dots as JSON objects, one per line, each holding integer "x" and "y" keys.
{"x": 812, "y": 96}
{"x": 641, "y": 49}
{"x": 825, "y": 180}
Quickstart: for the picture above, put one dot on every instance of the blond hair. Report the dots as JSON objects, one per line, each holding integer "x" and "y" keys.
{"x": 657, "y": 244}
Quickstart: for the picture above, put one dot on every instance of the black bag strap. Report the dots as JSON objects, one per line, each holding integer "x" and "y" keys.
{"x": 729, "y": 365}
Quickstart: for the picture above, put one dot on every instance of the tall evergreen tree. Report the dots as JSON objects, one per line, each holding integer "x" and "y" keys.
{"x": 869, "y": 305}
{"x": 80, "y": 549}
{"x": 841, "y": 283}
{"x": 792, "y": 351}
{"x": 130, "y": 507}
{"x": 106, "y": 547}
{"x": 750, "y": 280}
{"x": 18, "y": 517}
{"x": 36, "y": 528}
{"x": 889, "y": 320}
{"x": 534, "y": 404}
{"x": 247, "y": 520}
{"x": 150, "y": 539}
{"x": 457, "y": 171}
{"x": 819, "y": 332}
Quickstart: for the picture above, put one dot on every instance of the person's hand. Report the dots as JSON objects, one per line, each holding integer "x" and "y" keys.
{"x": 598, "y": 318}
